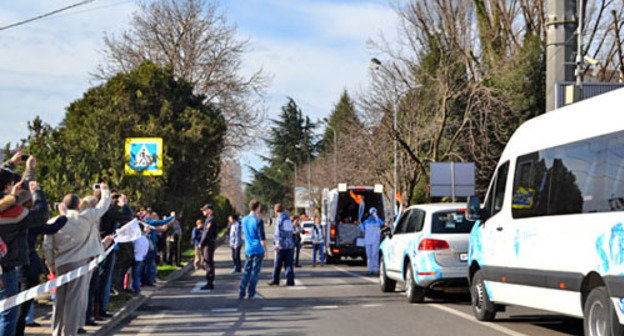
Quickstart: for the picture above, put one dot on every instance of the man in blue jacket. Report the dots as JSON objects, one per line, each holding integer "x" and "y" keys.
{"x": 255, "y": 251}
{"x": 284, "y": 244}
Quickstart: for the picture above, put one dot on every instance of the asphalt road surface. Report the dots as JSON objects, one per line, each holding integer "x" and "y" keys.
{"x": 332, "y": 300}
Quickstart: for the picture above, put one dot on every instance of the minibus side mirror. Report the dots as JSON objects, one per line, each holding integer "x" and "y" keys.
{"x": 473, "y": 208}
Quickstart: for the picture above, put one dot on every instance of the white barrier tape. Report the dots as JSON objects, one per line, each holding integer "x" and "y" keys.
{"x": 31, "y": 293}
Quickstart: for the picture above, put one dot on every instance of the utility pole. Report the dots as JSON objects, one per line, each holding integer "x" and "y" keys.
{"x": 578, "y": 73}
{"x": 562, "y": 47}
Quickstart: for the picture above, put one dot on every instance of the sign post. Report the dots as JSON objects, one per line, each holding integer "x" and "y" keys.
{"x": 454, "y": 179}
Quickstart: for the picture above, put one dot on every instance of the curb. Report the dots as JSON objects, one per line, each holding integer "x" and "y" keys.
{"x": 134, "y": 304}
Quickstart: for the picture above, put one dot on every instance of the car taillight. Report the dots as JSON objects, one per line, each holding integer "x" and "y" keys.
{"x": 433, "y": 245}
{"x": 332, "y": 233}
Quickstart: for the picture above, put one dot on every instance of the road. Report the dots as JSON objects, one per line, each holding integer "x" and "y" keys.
{"x": 332, "y": 300}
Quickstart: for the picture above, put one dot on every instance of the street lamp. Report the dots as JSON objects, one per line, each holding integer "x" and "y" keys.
{"x": 299, "y": 146}
{"x": 375, "y": 65}
{"x": 335, "y": 149}
{"x": 289, "y": 161}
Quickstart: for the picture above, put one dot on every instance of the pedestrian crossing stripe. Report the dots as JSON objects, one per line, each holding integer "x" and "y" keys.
{"x": 144, "y": 156}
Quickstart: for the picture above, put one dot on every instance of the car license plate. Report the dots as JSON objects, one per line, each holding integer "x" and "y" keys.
{"x": 463, "y": 257}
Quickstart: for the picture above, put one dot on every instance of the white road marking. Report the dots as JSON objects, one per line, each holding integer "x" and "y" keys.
{"x": 299, "y": 285}
{"x": 471, "y": 318}
{"x": 197, "y": 288}
{"x": 150, "y": 328}
{"x": 273, "y": 308}
{"x": 463, "y": 315}
{"x": 224, "y": 310}
{"x": 372, "y": 305}
{"x": 324, "y": 307}
{"x": 369, "y": 279}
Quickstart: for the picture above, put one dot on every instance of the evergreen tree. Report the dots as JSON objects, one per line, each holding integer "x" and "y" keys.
{"x": 149, "y": 101}
{"x": 343, "y": 116}
{"x": 291, "y": 140}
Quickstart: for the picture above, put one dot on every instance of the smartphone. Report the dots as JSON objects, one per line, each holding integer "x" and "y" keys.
{"x": 25, "y": 157}
{"x": 96, "y": 186}
{"x": 56, "y": 205}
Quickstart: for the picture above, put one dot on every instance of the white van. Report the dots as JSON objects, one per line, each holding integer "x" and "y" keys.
{"x": 550, "y": 233}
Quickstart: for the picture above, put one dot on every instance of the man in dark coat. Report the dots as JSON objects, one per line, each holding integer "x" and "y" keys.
{"x": 208, "y": 244}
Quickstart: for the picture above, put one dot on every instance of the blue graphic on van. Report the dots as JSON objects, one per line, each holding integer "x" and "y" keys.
{"x": 517, "y": 242}
{"x": 475, "y": 249}
{"x": 610, "y": 249}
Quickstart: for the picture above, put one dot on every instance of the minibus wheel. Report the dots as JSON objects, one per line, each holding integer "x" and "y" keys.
{"x": 599, "y": 316}
{"x": 386, "y": 284}
{"x": 482, "y": 308}
{"x": 413, "y": 292}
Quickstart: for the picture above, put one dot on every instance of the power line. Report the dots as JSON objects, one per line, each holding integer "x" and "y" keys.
{"x": 45, "y": 15}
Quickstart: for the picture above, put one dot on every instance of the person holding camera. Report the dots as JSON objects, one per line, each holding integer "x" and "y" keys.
{"x": 118, "y": 214}
{"x": 14, "y": 224}
{"x": 74, "y": 246}
{"x": 29, "y": 276}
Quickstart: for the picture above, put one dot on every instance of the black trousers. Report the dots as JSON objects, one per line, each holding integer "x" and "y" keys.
{"x": 124, "y": 261}
{"x": 107, "y": 269}
{"x": 236, "y": 258}
{"x": 94, "y": 294}
{"x": 208, "y": 252}
{"x": 297, "y": 250}
{"x": 25, "y": 282}
{"x": 173, "y": 250}
{"x": 284, "y": 258}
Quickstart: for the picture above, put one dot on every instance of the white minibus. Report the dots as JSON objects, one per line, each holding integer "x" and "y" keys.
{"x": 550, "y": 231}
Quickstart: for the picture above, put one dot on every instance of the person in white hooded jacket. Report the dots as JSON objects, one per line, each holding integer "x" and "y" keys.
{"x": 371, "y": 228}
{"x": 74, "y": 246}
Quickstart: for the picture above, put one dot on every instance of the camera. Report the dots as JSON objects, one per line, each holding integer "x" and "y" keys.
{"x": 25, "y": 157}
{"x": 56, "y": 206}
{"x": 96, "y": 186}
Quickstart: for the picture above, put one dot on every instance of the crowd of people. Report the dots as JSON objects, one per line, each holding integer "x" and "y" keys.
{"x": 88, "y": 228}
{"x": 83, "y": 231}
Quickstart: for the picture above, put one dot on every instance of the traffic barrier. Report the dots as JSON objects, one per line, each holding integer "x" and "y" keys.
{"x": 31, "y": 293}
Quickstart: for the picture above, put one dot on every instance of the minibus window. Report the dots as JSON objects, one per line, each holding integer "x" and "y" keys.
{"x": 531, "y": 185}
{"x": 584, "y": 176}
{"x": 499, "y": 191}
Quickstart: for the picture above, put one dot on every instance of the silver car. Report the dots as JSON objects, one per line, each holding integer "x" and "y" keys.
{"x": 427, "y": 250}
{"x": 306, "y": 232}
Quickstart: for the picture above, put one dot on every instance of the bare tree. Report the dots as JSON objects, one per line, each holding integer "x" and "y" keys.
{"x": 195, "y": 39}
{"x": 482, "y": 65}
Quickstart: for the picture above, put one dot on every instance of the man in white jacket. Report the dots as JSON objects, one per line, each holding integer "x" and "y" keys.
{"x": 74, "y": 246}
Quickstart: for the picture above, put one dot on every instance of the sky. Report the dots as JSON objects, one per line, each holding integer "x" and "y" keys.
{"x": 312, "y": 49}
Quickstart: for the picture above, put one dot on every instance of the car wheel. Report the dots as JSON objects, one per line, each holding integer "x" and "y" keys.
{"x": 482, "y": 308}
{"x": 413, "y": 292}
{"x": 599, "y": 316}
{"x": 386, "y": 284}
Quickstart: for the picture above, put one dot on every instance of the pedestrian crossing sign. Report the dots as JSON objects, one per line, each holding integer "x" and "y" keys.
{"x": 144, "y": 156}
